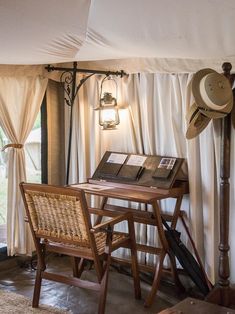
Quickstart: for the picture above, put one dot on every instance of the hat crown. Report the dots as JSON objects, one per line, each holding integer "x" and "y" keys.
{"x": 212, "y": 93}
{"x": 217, "y": 88}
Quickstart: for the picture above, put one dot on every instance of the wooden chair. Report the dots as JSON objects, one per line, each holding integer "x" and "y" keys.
{"x": 60, "y": 222}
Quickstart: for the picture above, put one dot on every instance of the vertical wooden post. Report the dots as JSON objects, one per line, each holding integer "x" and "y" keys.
{"x": 222, "y": 293}
{"x": 224, "y": 271}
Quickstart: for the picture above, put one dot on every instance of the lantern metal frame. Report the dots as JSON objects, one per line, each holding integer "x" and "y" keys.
{"x": 108, "y": 102}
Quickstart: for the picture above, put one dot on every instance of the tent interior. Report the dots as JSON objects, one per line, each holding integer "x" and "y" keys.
{"x": 160, "y": 45}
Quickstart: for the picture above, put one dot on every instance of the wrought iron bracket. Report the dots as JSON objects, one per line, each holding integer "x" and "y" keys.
{"x": 68, "y": 78}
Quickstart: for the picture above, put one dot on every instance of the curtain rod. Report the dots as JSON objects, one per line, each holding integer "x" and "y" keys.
{"x": 50, "y": 68}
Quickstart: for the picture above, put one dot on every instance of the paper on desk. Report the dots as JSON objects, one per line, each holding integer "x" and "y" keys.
{"x": 136, "y": 160}
{"x": 91, "y": 187}
{"x": 117, "y": 158}
{"x": 167, "y": 163}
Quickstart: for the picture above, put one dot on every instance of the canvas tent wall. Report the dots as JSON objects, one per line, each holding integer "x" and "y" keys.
{"x": 173, "y": 36}
{"x": 148, "y": 37}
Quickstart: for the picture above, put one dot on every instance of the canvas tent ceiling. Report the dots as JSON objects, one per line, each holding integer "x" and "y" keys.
{"x": 55, "y": 31}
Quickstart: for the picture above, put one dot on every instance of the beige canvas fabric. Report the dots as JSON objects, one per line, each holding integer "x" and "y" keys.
{"x": 20, "y": 100}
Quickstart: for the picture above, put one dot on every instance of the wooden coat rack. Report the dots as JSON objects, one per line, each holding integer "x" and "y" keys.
{"x": 223, "y": 294}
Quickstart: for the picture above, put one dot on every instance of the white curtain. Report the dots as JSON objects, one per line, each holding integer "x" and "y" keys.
{"x": 20, "y": 100}
{"x": 154, "y": 123}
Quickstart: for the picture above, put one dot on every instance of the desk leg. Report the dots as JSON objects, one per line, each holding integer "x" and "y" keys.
{"x": 161, "y": 233}
{"x": 156, "y": 280}
{"x": 103, "y": 203}
{"x": 78, "y": 267}
{"x": 196, "y": 253}
{"x": 159, "y": 266}
{"x": 176, "y": 213}
{"x": 175, "y": 218}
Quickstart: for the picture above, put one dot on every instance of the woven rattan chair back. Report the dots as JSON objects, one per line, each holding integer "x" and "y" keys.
{"x": 58, "y": 213}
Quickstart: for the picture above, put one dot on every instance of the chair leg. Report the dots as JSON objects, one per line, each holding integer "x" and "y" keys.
{"x": 156, "y": 281}
{"x": 41, "y": 266}
{"x": 103, "y": 286}
{"x": 105, "y": 275}
{"x": 37, "y": 288}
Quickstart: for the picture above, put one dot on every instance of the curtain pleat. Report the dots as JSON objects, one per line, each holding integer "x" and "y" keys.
{"x": 20, "y": 100}
{"x": 55, "y": 133}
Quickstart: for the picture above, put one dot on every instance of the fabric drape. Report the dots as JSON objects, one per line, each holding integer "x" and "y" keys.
{"x": 154, "y": 123}
{"x": 20, "y": 100}
{"x": 55, "y": 133}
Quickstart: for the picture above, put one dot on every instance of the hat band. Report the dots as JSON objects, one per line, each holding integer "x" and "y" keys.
{"x": 205, "y": 97}
{"x": 210, "y": 110}
{"x": 201, "y": 113}
{"x": 194, "y": 114}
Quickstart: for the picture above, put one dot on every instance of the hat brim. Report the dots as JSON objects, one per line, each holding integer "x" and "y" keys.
{"x": 213, "y": 114}
{"x": 197, "y": 122}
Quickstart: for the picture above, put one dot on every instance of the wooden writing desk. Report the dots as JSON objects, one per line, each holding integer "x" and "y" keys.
{"x": 145, "y": 195}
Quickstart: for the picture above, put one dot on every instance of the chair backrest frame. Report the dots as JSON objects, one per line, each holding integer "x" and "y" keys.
{"x": 27, "y": 188}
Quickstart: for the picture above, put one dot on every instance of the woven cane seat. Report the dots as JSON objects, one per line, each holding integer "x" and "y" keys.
{"x": 100, "y": 239}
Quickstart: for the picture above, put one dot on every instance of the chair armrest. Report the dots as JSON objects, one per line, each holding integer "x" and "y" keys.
{"x": 111, "y": 222}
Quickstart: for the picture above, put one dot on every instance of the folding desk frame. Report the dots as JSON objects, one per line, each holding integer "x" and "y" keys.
{"x": 145, "y": 195}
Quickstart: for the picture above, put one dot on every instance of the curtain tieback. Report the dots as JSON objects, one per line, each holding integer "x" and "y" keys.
{"x": 12, "y": 145}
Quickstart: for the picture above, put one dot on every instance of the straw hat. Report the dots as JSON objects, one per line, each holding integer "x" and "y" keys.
{"x": 212, "y": 93}
{"x": 196, "y": 120}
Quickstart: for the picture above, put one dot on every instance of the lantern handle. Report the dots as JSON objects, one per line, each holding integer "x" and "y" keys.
{"x": 107, "y": 77}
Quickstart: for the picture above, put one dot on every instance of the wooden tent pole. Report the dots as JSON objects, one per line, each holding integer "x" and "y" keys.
{"x": 222, "y": 293}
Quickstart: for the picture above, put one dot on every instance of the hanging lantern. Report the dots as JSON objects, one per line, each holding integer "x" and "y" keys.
{"x": 108, "y": 109}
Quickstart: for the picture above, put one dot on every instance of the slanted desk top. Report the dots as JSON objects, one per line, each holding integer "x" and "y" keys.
{"x": 139, "y": 170}
{"x": 131, "y": 193}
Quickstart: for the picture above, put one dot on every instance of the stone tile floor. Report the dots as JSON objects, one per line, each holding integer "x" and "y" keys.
{"x": 18, "y": 276}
